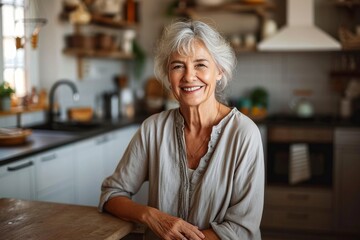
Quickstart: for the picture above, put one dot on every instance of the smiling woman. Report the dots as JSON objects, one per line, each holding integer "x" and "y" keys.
{"x": 204, "y": 161}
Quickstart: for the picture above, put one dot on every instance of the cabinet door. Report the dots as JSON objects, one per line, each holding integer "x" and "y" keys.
{"x": 55, "y": 176}
{"x": 89, "y": 170}
{"x": 347, "y": 155}
{"x": 115, "y": 147}
{"x": 17, "y": 180}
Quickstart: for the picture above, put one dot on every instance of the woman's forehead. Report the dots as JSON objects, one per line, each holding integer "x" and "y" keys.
{"x": 191, "y": 50}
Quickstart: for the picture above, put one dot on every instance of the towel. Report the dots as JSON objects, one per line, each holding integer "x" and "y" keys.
{"x": 299, "y": 165}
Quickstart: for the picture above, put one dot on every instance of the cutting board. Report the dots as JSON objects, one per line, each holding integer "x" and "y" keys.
{"x": 21, "y": 219}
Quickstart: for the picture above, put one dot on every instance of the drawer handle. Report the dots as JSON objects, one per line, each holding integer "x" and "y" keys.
{"x": 49, "y": 158}
{"x": 297, "y": 216}
{"x": 298, "y": 197}
{"x": 21, "y": 166}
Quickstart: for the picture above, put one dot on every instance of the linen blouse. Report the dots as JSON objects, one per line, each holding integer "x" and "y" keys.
{"x": 226, "y": 190}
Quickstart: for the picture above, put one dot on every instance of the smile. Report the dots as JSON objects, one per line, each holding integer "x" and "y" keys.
{"x": 191, "y": 89}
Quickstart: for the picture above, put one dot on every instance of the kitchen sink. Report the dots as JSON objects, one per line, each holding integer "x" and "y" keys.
{"x": 68, "y": 126}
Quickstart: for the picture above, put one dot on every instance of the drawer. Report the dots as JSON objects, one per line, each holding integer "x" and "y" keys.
{"x": 294, "y": 219}
{"x": 312, "y": 198}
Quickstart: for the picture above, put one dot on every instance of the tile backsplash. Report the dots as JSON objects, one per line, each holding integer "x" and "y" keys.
{"x": 278, "y": 73}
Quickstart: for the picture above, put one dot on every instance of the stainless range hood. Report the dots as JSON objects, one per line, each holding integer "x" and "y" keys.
{"x": 300, "y": 33}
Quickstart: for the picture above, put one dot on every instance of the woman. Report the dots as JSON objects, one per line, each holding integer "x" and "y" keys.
{"x": 204, "y": 160}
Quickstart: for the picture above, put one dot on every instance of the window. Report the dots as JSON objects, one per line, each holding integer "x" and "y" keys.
{"x": 12, "y": 60}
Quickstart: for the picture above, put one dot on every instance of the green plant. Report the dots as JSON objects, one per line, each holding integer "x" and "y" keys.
{"x": 6, "y": 90}
{"x": 140, "y": 60}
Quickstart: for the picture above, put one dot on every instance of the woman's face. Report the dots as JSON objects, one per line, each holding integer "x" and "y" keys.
{"x": 193, "y": 78}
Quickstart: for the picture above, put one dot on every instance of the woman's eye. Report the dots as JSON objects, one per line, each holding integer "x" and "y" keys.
{"x": 177, "y": 67}
{"x": 200, "y": 65}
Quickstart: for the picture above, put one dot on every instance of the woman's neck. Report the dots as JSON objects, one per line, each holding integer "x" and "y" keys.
{"x": 202, "y": 117}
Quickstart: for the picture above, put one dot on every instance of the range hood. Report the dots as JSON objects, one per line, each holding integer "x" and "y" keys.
{"x": 300, "y": 33}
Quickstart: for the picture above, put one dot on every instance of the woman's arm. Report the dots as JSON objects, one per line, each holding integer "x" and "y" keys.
{"x": 210, "y": 234}
{"x": 162, "y": 224}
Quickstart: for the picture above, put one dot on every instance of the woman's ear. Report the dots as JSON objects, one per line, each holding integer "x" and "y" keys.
{"x": 219, "y": 75}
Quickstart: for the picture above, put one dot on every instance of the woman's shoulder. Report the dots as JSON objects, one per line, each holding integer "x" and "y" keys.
{"x": 160, "y": 118}
{"x": 241, "y": 121}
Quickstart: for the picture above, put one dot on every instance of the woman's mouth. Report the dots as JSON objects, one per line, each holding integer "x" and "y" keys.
{"x": 191, "y": 89}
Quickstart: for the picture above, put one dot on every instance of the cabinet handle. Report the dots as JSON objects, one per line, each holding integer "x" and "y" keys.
{"x": 21, "y": 166}
{"x": 298, "y": 197}
{"x": 49, "y": 158}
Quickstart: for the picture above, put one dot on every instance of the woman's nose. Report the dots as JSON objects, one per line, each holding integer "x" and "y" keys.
{"x": 190, "y": 75}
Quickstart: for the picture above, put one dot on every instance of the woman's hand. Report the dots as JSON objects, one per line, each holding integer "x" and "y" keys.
{"x": 172, "y": 228}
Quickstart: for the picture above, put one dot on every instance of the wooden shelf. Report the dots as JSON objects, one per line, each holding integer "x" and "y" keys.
{"x": 97, "y": 54}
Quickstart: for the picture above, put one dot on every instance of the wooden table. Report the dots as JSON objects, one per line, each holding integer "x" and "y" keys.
{"x": 21, "y": 219}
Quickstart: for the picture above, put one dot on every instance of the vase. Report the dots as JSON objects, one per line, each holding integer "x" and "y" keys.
{"x": 5, "y": 104}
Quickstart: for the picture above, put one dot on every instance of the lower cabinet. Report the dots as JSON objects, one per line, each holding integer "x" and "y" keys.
{"x": 347, "y": 187}
{"x": 55, "y": 175}
{"x": 116, "y": 146}
{"x": 71, "y": 174}
{"x": 17, "y": 180}
{"x": 310, "y": 209}
{"x": 89, "y": 170}
{"x": 97, "y": 158}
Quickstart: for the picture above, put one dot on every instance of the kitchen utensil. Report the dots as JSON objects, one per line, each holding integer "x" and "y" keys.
{"x": 80, "y": 41}
{"x": 301, "y": 105}
{"x": 80, "y": 114}
{"x": 105, "y": 41}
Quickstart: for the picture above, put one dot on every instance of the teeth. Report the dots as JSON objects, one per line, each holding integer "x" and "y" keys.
{"x": 191, "y": 89}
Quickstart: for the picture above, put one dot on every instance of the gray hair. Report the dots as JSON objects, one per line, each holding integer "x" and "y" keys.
{"x": 180, "y": 36}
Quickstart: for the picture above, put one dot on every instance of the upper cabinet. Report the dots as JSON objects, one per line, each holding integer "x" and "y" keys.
{"x": 245, "y": 39}
{"x": 102, "y": 29}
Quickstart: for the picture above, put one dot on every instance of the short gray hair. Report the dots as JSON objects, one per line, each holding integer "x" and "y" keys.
{"x": 180, "y": 36}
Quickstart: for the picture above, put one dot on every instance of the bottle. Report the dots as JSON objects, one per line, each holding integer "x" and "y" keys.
{"x": 34, "y": 97}
{"x": 130, "y": 11}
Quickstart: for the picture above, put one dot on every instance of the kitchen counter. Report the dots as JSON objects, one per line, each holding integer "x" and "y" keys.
{"x": 44, "y": 140}
{"x": 21, "y": 219}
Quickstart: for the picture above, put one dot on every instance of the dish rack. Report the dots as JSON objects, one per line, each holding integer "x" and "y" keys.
{"x": 349, "y": 40}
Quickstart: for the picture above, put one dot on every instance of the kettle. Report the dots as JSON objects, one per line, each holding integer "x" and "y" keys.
{"x": 301, "y": 105}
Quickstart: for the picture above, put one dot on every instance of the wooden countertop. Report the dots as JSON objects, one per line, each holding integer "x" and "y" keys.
{"x": 21, "y": 219}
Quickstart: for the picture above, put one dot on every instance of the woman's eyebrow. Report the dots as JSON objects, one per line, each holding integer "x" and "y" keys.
{"x": 176, "y": 61}
{"x": 201, "y": 60}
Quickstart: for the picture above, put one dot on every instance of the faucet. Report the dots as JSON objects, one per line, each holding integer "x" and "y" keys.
{"x": 76, "y": 96}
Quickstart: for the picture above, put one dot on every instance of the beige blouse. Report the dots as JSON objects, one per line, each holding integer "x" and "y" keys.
{"x": 226, "y": 190}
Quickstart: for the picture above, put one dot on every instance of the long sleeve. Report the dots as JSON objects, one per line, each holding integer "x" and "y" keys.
{"x": 243, "y": 216}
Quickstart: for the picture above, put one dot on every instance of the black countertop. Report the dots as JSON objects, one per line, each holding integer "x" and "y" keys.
{"x": 42, "y": 140}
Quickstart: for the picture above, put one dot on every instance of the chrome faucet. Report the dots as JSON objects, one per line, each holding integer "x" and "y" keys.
{"x": 76, "y": 96}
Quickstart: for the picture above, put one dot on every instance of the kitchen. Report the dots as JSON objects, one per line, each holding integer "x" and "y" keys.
{"x": 281, "y": 73}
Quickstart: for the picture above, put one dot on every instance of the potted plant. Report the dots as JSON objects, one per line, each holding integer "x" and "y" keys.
{"x": 5, "y": 96}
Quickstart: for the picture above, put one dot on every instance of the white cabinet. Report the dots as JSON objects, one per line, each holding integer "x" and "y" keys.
{"x": 116, "y": 146}
{"x": 347, "y": 187}
{"x": 55, "y": 175}
{"x": 97, "y": 158}
{"x": 17, "y": 180}
{"x": 89, "y": 170}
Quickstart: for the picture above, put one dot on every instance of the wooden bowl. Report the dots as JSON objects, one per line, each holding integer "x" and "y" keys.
{"x": 15, "y": 139}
